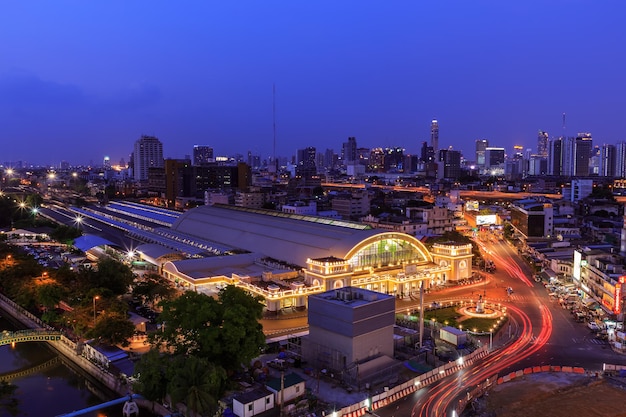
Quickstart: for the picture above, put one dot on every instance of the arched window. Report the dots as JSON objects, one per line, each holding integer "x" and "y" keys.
{"x": 387, "y": 250}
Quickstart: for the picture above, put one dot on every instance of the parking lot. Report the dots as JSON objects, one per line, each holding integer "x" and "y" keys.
{"x": 585, "y": 311}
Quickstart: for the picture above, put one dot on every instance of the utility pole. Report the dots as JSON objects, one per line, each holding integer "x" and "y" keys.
{"x": 282, "y": 393}
{"x": 421, "y": 314}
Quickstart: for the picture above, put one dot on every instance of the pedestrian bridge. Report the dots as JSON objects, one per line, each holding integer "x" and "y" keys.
{"x": 31, "y": 335}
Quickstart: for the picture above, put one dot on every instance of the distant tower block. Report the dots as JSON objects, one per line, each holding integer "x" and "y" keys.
{"x": 622, "y": 246}
{"x": 434, "y": 136}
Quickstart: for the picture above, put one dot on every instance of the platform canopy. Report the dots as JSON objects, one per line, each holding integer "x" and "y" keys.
{"x": 87, "y": 242}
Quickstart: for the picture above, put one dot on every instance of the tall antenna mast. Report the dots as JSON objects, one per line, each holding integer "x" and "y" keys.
{"x": 563, "y": 124}
{"x": 274, "y": 124}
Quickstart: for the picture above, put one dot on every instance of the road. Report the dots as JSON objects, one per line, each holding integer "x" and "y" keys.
{"x": 544, "y": 334}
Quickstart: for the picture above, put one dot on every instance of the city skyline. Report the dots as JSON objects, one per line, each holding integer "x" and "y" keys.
{"x": 82, "y": 81}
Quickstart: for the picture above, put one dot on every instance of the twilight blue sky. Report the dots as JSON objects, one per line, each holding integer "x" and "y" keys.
{"x": 83, "y": 79}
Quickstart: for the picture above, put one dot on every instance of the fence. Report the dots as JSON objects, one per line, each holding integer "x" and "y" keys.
{"x": 402, "y": 390}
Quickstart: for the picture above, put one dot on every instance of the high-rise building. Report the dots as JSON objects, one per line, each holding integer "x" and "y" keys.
{"x": 376, "y": 160}
{"x": 434, "y": 136}
{"x": 583, "y": 146}
{"x": 620, "y": 160}
{"x": 451, "y": 164}
{"x": 537, "y": 165}
{"x": 494, "y": 157}
{"x": 306, "y": 164}
{"x": 330, "y": 159}
{"x": 348, "y": 152}
{"x": 542, "y": 143}
{"x": 393, "y": 159}
{"x": 481, "y": 147}
{"x": 426, "y": 153}
{"x": 569, "y": 157}
{"x": 555, "y": 150}
{"x": 607, "y": 161}
{"x": 202, "y": 155}
{"x": 148, "y": 153}
{"x": 106, "y": 163}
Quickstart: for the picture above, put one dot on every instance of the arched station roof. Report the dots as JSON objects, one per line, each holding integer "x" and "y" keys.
{"x": 153, "y": 252}
{"x": 285, "y": 237}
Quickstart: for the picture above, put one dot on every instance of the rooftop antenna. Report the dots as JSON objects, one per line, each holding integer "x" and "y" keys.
{"x": 274, "y": 124}
{"x": 563, "y": 124}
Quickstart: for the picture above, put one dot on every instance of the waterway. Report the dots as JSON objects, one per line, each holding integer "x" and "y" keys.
{"x": 54, "y": 388}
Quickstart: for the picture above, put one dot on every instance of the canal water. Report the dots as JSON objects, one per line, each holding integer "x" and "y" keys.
{"x": 47, "y": 387}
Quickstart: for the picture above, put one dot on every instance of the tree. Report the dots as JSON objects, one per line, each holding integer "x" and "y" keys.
{"x": 151, "y": 375}
{"x": 113, "y": 329}
{"x": 154, "y": 288}
{"x": 49, "y": 295}
{"x": 225, "y": 331}
{"x": 197, "y": 383}
{"x": 242, "y": 334}
{"x": 65, "y": 233}
{"x": 508, "y": 231}
{"x": 113, "y": 275}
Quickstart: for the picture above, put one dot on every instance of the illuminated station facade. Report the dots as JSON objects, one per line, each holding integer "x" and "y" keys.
{"x": 284, "y": 258}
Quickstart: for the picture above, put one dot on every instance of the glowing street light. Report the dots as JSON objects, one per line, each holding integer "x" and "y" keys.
{"x": 96, "y": 297}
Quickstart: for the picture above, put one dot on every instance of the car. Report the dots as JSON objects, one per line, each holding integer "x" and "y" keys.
{"x": 593, "y": 326}
{"x": 278, "y": 364}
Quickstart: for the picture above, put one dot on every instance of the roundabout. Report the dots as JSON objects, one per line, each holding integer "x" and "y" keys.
{"x": 482, "y": 309}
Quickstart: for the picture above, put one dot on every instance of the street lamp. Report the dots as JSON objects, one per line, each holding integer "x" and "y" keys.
{"x": 491, "y": 338}
{"x": 95, "y": 297}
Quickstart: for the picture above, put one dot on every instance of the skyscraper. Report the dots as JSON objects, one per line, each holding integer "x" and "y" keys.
{"x": 481, "y": 146}
{"x": 148, "y": 153}
{"x": 494, "y": 161}
{"x": 607, "y": 161}
{"x": 306, "y": 163}
{"x": 202, "y": 155}
{"x": 583, "y": 146}
{"x": 348, "y": 151}
{"x": 434, "y": 136}
{"x": 542, "y": 143}
{"x": 620, "y": 160}
{"x": 451, "y": 161}
{"x": 555, "y": 151}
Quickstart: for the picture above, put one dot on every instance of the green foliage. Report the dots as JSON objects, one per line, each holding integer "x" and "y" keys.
{"x": 508, "y": 231}
{"x": 225, "y": 331}
{"x": 151, "y": 373}
{"x": 197, "y": 383}
{"x": 49, "y": 295}
{"x": 50, "y": 316}
{"x": 113, "y": 329}
{"x": 65, "y": 233}
{"x": 112, "y": 275}
{"x": 6, "y": 211}
{"x": 154, "y": 288}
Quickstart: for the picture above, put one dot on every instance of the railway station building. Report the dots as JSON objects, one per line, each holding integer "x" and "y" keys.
{"x": 287, "y": 257}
